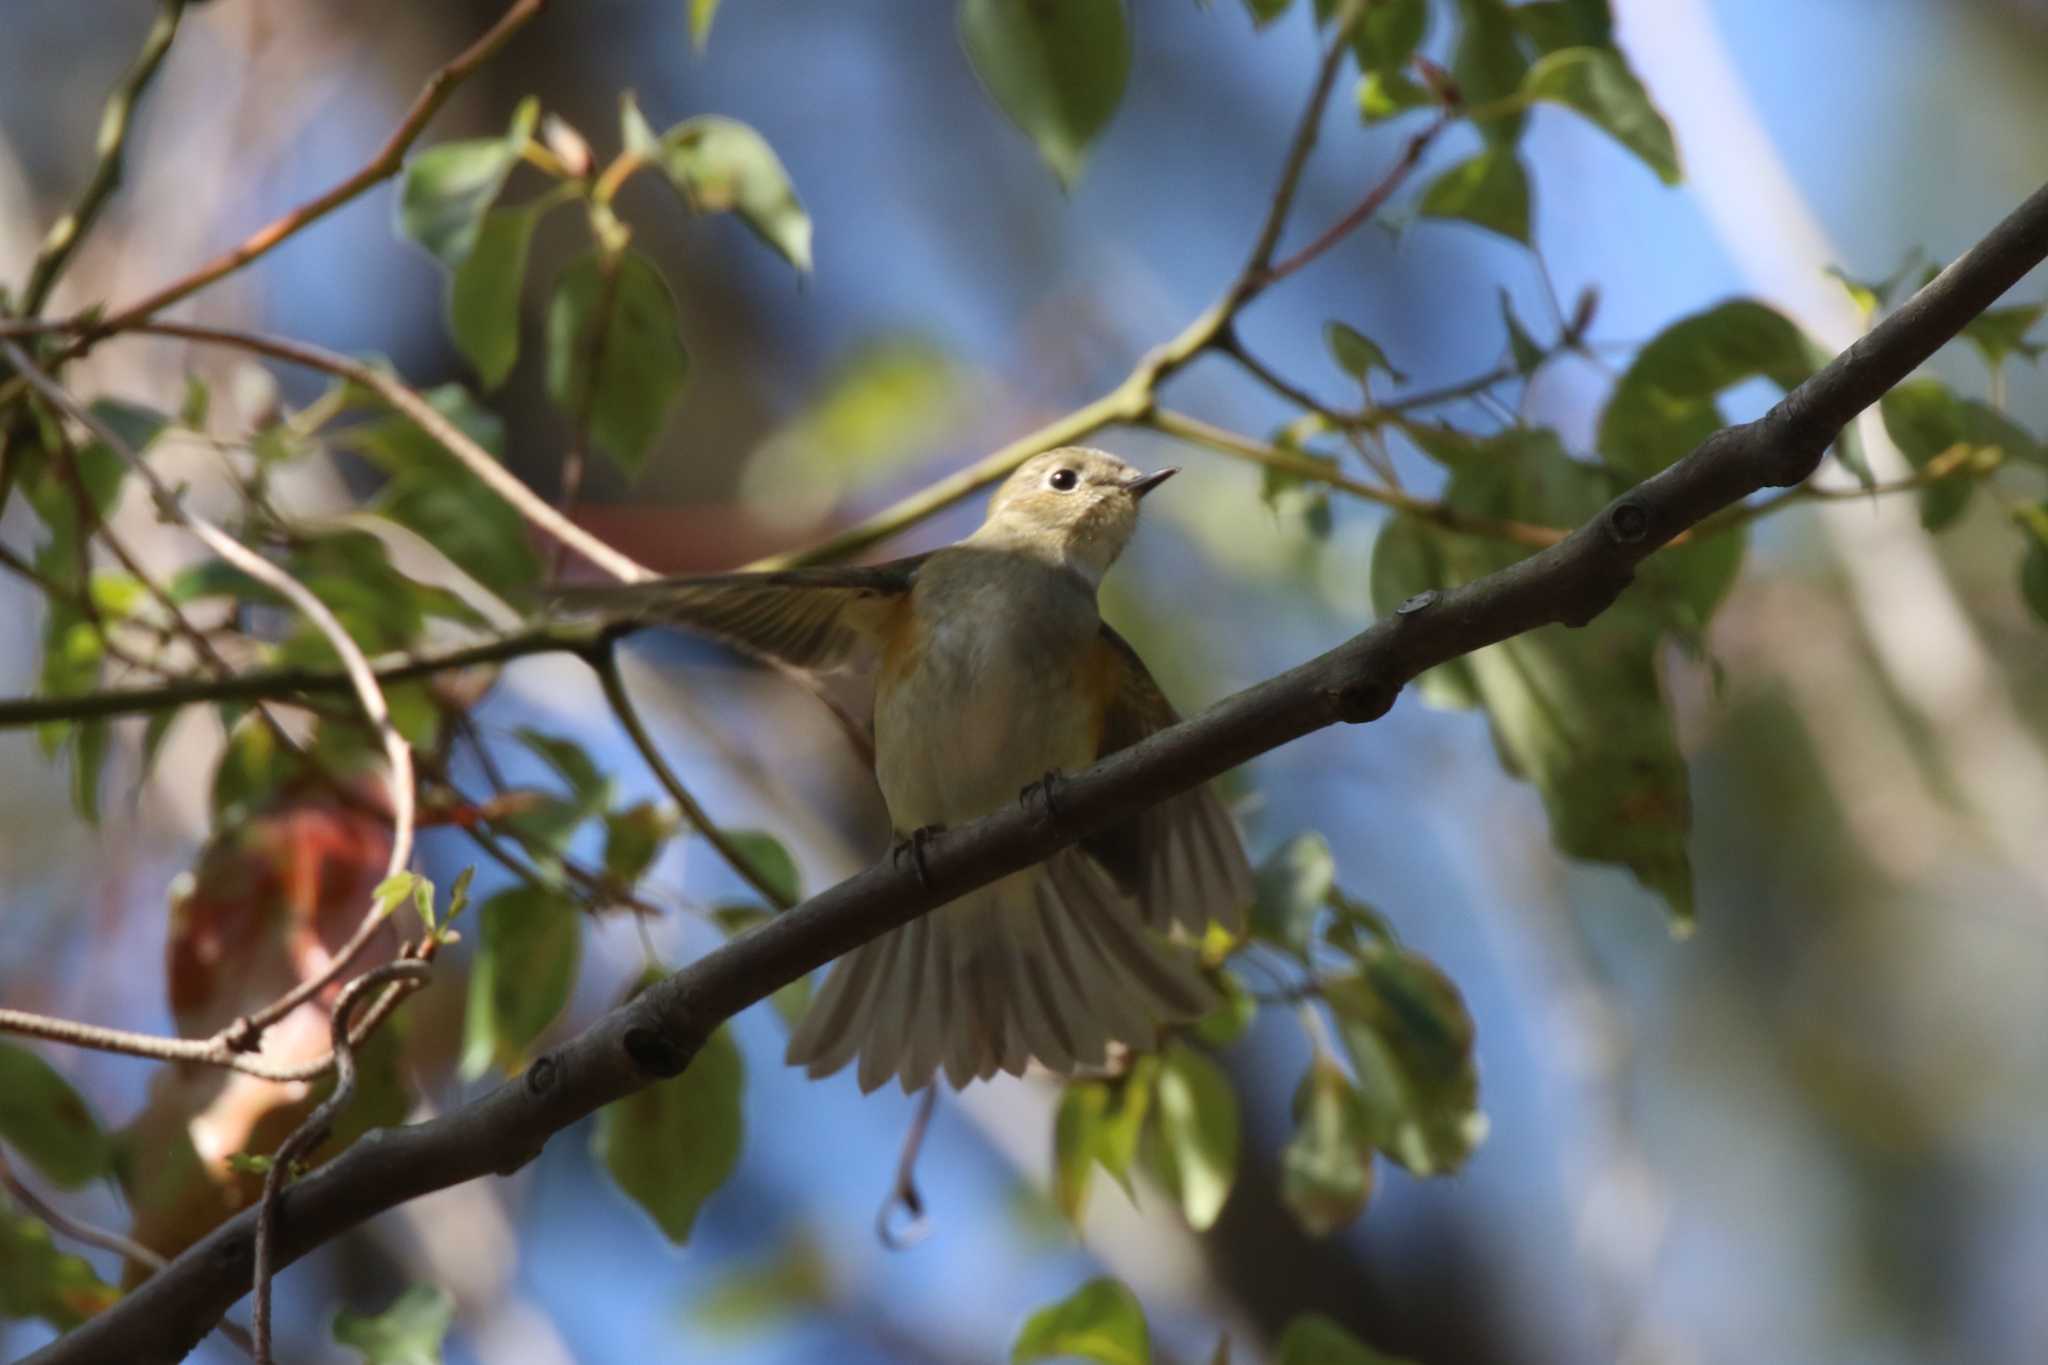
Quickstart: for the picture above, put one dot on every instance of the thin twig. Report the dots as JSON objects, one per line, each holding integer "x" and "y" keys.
{"x": 1375, "y": 198}
{"x": 607, "y": 665}
{"x": 379, "y": 168}
{"x": 67, "y": 232}
{"x": 407, "y": 974}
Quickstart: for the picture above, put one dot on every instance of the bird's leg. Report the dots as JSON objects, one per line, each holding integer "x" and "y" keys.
{"x": 1046, "y": 791}
{"x": 914, "y": 847}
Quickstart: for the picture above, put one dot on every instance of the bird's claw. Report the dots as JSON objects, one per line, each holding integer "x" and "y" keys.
{"x": 914, "y": 847}
{"x": 1045, "y": 790}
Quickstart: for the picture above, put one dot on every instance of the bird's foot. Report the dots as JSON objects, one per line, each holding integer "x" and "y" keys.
{"x": 1045, "y": 791}
{"x": 913, "y": 848}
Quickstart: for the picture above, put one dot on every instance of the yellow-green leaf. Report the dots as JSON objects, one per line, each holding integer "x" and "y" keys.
{"x": 528, "y": 946}
{"x": 1100, "y": 1321}
{"x": 409, "y": 1332}
{"x": 1197, "y": 1132}
{"x": 671, "y": 1145}
{"x": 1597, "y": 83}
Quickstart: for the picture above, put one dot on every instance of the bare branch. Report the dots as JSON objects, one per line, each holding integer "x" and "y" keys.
{"x": 655, "y": 1035}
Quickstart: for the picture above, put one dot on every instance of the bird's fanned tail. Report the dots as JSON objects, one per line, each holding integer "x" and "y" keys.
{"x": 1051, "y": 965}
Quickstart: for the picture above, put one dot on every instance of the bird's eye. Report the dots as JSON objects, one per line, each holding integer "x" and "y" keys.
{"x": 1062, "y": 480}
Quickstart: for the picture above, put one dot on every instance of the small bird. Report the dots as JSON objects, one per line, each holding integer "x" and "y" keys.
{"x": 994, "y": 671}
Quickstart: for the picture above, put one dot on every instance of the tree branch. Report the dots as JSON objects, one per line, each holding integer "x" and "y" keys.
{"x": 655, "y": 1035}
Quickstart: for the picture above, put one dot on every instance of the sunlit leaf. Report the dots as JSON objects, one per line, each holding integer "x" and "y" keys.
{"x": 1596, "y": 83}
{"x": 1326, "y": 1168}
{"x": 719, "y": 165}
{"x": 483, "y": 293}
{"x": 1491, "y": 190}
{"x": 671, "y": 1145}
{"x": 409, "y": 1332}
{"x": 1227, "y": 1023}
{"x": 615, "y": 356}
{"x": 1410, "y": 1039}
{"x": 1057, "y": 68}
{"x": 702, "y": 12}
{"x": 447, "y": 189}
{"x": 1198, "y": 1133}
{"x": 45, "y": 1120}
{"x": 529, "y": 944}
{"x": 1099, "y": 1123}
{"x": 1388, "y": 94}
{"x": 1313, "y": 1339}
{"x": 1100, "y": 1321}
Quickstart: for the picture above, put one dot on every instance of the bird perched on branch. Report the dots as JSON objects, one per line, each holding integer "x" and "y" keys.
{"x": 993, "y": 671}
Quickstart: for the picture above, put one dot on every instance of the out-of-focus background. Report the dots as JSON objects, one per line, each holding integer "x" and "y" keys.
{"x": 1817, "y": 1131}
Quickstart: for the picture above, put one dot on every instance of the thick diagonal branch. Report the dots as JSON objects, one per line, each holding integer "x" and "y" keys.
{"x": 655, "y": 1035}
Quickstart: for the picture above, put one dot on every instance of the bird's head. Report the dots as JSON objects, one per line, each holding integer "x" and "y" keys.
{"x": 1073, "y": 505}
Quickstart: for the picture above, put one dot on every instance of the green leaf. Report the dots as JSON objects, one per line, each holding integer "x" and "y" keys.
{"x": 447, "y": 189}
{"x": 528, "y": 946}
{"x": 1225, "y": 1024}
{"x": 566, "y": 757}
{"x": 1577, "y": 712}
{"x": 1529, "y": 356}
{"x": 1596, "y": 83}
{"x": 1664, "y": 405}
{"x": 2033, "y": 520}
{"x": 1099, "y": 1123}
{"x": 1488, "y": 65}
{"x": 1100, "y": 1321}
{"x": 702, "y": 12}
{"x": 39, "y": 1281}
{"x": 1356, "y": 354}
{"x": 1264, "y": 12}
{"x": 633, "y": 837}
{"x": 1410, "y": 1039}
{"x": 43, "y": 1119}
{"x": 615, "y": 356}
{"x": 1491, "y": 190}
{"x": 771, "y": 860}
{"x": 431, "y": 492}
{"x": 720, "y": 165}
{"x": 409, "y": 1332}
{"x": 1313, "y": 1339}
{"x": 1927, "y": 421}
{"x": 483, "y": 293}
{"x": 1389, "y": 94}
{"x": 1057, "y": 68}
{"x": 1197, "y": 1131}
{"x": 1388, "y": 33}
{"x": 1326, "y": 1168}
{"x": 1556, "y": 24}
{"x": 671, "y": 1145}
{"x": 1292, "y": 884}
{"x": 2001, "y": 332}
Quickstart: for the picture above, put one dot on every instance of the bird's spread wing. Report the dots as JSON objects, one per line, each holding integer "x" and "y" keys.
{"x": 1182, "y": 858}
{"x": 821, "y": 620}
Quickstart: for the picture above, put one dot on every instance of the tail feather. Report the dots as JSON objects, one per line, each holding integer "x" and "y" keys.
{"x": 1048, "y": 965}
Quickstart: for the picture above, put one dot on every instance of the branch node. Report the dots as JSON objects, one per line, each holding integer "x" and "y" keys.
{"x": 1422, "y": 601}
{"x": 541, "y": 1076}
{"x": 1628, "y": 521}
{"x": 654, "y": 1054}
{"x": 1364, "y": 699}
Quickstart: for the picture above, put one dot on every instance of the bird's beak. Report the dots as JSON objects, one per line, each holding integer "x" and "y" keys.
{"x": 1145, "y": 483}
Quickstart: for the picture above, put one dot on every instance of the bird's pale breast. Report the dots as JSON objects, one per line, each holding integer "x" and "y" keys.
{"x": 985, "y": 688}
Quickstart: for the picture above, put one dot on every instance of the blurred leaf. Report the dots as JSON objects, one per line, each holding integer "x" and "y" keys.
{"x": 1557, "y": 24}
{"x": 1057, "y": 68}
{"x": 1313, "y": 1339}
{"x": 796, "y": 1279}
{"x": 566, "y": 757}
{"x": 1871, "y": 295}
{"x": 720, "y": 165}
{"x": 633, "y": 837}
{"x": 2001, "y": 332}
{"x": 1528, "y": 355}
{"x": 1491, "y": 190}
{"x": 671, "y": 1145}
{"x": 1388, "y": 94}
{"x": 2033, "y": 519}
{"x": 1264, "y": 12}
{"x": 198, "y": 399}
{"x": 1356, "y": 354}
{"x": 1227, "y": 1023}
{"x": 409, "y": 1332}
{"x": 702, "y": 12}
{"x": 528, "y": 945}
{"x": 615, "y": 354}
{"x": 1577, "y": 712}
{"x": 447, "y": 189}
{"x": 39, "y": 1281}
{"x": 1410, "y": 1039}
{"x": 1927, "y": 421}
{"x": 1099, "y": 1123}
{"x": 46, "y": 1121}
{"x": 252, "y": 767}
{"x": 1388, "y": 33}
{"x": 1326, "y": 1168}
{"x": 1100, "y": 1321}
{"x": 882, "y": 404}
{"x": 1664, "y": 405}
{"x": 769, "y": 858}
{"x": 1488, "y": 65}
{"x": 1197, "y": 1132}
{"x": 432, "y": 493}
{"x": 1292, "y": 884}
{"x": 1596, "y": 82}
{"x": 483, "y": 293}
